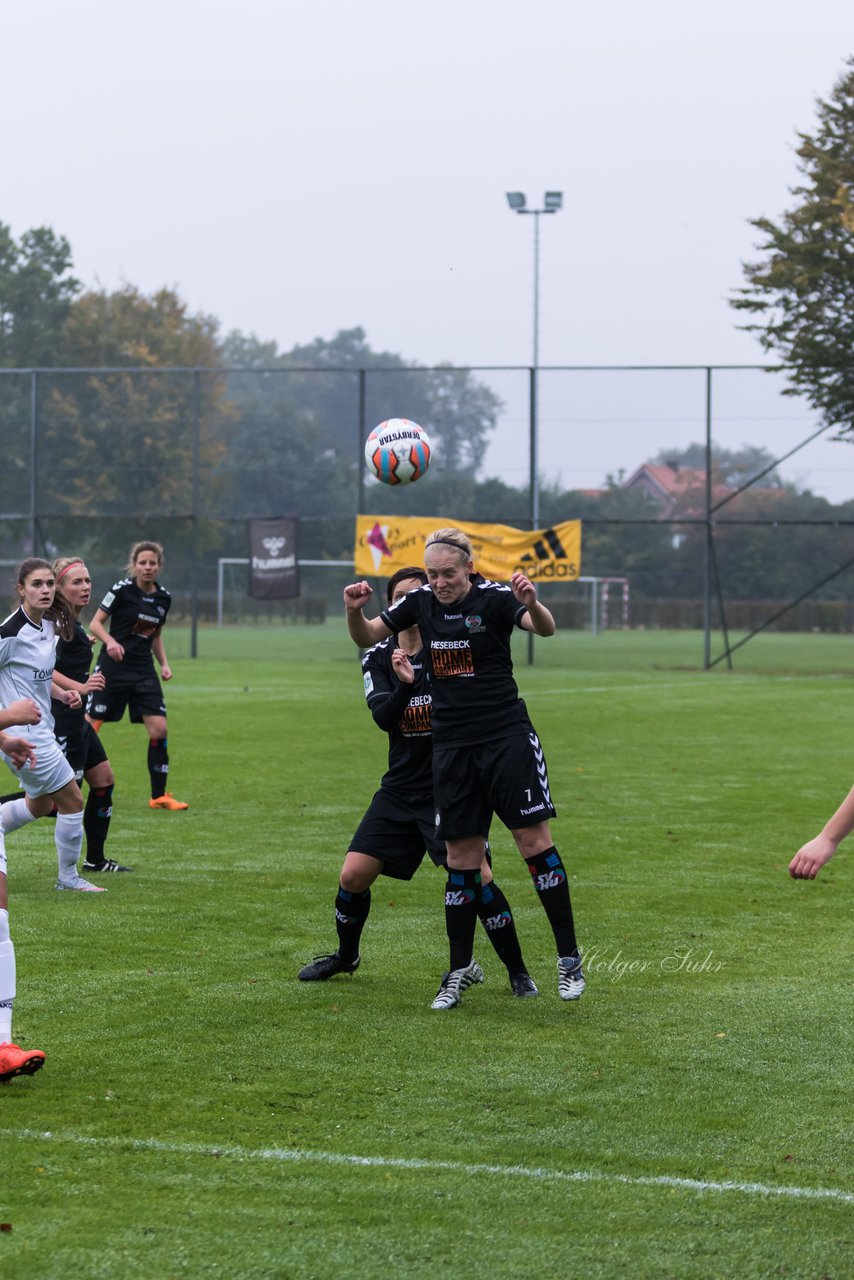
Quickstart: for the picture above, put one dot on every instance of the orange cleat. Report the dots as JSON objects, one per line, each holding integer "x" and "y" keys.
{"x": 15, "y": 1061}
{"x": 167, "y": 801}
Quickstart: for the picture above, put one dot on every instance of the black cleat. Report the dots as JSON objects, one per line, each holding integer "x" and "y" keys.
{"x": 323, "y": 967}
{"x": 523, "y": 985}
{"x": 106, "y": 865}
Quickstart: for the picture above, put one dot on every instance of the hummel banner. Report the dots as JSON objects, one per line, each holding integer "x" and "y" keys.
{"x": 273, "y": 566}
{"x": 385, "y": 544}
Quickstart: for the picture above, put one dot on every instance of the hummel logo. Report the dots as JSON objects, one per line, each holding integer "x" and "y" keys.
{"x": 273, "y": 545}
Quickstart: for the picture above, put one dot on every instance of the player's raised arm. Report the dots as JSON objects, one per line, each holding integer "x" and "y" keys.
{"x": 364, "y": 631}
{"x": 539, "y": 618}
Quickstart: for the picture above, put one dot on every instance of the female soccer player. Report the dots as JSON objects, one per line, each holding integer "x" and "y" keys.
{"x": 27, "y": 640}
{"x": 136, "y": 608}
{"x": 486, "y": 755}
{"x": 400, "y": 822}
{"x": 75, "y": 735}
{"x": 14, "y": 1061}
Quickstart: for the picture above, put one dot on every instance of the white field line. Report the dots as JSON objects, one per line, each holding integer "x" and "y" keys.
{"x": 277, "y": 1154}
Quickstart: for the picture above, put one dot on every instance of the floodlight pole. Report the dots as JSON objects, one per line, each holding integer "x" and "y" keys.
{"x": 552, "y": 202}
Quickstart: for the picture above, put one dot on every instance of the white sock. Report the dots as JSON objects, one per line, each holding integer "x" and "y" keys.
{"x": 69, "y": 842}
{"x": 7, "y": 979}
{"x": 14, "y": 814}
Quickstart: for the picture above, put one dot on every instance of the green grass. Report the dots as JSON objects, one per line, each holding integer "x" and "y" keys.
{"x": 201, "y": 1103}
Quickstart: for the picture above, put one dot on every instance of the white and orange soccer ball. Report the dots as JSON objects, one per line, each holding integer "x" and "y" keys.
{"x": 398, "y": 451}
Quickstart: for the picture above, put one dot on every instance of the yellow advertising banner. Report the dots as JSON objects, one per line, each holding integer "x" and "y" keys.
{"x": 385, "y": 544}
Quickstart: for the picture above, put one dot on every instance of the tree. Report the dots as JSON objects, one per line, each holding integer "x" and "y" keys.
{"x": 124, "y": 440}
{"x": 36, "y": 293}
{"x": 802, "y": 289}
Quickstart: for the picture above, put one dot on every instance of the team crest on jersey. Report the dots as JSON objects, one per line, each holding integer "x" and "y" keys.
{"x": 369, "y": 683}
{"x": 474, "y": 623}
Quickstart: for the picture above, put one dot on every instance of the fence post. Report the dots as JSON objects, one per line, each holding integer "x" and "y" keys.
{"x": 194, "y": 593}
{"x": 34, "y": 458}
{"x": 707, "y": 559}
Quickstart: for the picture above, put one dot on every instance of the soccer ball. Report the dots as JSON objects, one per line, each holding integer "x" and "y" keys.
{"x": 398, "y": 451}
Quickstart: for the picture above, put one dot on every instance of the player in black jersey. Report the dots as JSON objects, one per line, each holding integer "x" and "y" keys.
{"x": 136, "y": 608}
{"x": 487, "y": 758}
{"x": 79, "y": 741}
{"x": 399, "y": 825}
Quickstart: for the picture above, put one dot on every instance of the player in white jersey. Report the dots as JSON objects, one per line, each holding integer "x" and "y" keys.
{"x": 27, "y": 654}
{"x": 14, "y": 1061}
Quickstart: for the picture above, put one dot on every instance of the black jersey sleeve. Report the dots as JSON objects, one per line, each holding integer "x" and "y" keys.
{"x": 405, "y": 612}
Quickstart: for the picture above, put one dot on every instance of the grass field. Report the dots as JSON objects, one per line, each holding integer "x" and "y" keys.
{"x": 203, "y": 1114}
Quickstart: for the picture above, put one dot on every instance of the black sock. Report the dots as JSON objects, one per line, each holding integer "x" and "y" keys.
{"x": 462, "y": 897}
{"x": 158, "y": 766}
{"x": 497, "y": 919}
{"x": 96, "y": 822}
{"x": 552, "y": 885}
{"x": 351, "y": 912}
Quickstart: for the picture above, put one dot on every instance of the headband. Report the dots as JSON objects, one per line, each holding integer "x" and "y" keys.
{"x": 67, "y": 567}
{"x": 446, "y": 542}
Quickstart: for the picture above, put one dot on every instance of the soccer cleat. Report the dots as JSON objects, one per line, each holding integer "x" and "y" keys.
{"x": 523, "y": 984}
{"x": 167, "y": 801}
{"x": 15, "y": 1061}
{"x": 570, "y": 978}
{"x": 84, "y": 886}
{"x": 106, "y": 865}
{"x": 453, "y": 985}
{"x": 323, "y": 967}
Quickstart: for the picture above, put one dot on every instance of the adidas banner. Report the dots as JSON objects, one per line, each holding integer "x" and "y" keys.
{"x": 273, "y": 565}
{"x": 385, "y": 544}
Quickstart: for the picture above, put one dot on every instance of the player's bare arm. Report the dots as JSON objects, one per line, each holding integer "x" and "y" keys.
{"x": 22, "y": 711}
{"x": 98, "y": 627}
{"x": 812, "y": 856}
{"x": 364, "y": 631}
{"x": 68, "y": 693}
{"x": 159, "y": 652}
{"x": 538, "y": 618}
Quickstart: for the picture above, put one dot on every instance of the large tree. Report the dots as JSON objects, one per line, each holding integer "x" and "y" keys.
{"x": 36, "y": 293}
{"x": 801, "y": 290}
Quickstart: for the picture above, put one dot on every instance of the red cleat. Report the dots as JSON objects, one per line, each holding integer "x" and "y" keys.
{"x": 15, "y": 1061}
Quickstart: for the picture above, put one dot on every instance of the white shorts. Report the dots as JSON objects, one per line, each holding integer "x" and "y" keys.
{"x": 52, "y": 771}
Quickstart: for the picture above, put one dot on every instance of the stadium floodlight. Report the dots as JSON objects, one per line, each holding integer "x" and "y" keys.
{"x": 552, "y": 201}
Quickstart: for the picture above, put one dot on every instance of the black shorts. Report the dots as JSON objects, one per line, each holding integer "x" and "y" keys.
{"x": 399, "y": 832}
{"x": 506, "y": 777}
{"x": 138, "y": 691}
{"x": 82, "y": 748}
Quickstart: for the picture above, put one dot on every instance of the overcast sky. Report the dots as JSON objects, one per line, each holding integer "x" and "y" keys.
{"x": 299, "y": 168}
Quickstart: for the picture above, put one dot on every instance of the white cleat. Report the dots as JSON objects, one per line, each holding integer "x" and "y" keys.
{"x": 453, "y": 985}
{"x": 83, "y": 886}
